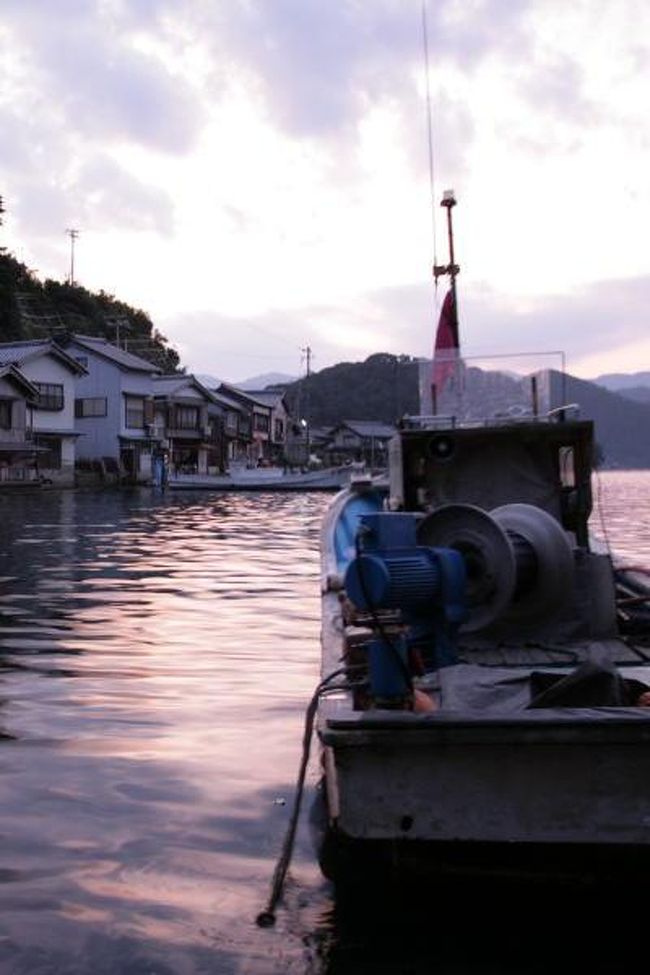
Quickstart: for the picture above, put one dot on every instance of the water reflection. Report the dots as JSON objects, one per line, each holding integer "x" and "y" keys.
{"x": 621, "y": 516}
{"x": 156, "y": 655}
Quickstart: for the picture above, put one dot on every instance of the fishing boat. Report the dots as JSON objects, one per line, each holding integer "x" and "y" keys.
{"x": 484, "y": 663}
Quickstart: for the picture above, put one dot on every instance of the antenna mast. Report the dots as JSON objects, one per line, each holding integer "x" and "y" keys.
{"x": 452, "y": 269}
{"x": 432, "y": 181}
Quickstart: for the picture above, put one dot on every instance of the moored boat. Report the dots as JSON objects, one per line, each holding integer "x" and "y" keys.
{"x": 494, "y": 661}
{"x": 263, "y": 479}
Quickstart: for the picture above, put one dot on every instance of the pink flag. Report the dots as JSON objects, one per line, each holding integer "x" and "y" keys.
{"x": 445, "y": 348}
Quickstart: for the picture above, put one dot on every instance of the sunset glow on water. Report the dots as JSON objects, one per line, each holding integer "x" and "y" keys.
{"x": 157, "y": 655}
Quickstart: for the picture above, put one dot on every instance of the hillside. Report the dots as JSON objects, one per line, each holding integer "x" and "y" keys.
{"x": 31, "y": 309}
{"x": 385, "y": 387}
{"x": 382, "y": 388}
{"x": 622, "y": 425}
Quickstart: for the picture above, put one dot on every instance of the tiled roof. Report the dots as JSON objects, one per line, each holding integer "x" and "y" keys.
{"x": 121, "y": 358}
{"x": 368, "y": 428}
{"x": 210, "y": 381}
{"x": 18, "y": 351}
{"x": 265, "y": 397}
{"x": 21, "y": 352}
{"x": 227, "y": 401}
{"x": 12, "y": 373}
{"x": 169, "y": 385}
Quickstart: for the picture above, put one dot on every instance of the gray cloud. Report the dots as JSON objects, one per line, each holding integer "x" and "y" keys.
{"x": 89, "y": 76}
{"x": 113, "y": 198}
{"x": 403, "y": 320}
{"x": 322, "y": 63}
{"x": 594, "y": 319}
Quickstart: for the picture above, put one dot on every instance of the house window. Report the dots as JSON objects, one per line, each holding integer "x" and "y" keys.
{"x": 231, "y": 422}
{"x": 91, "y": 406}
{"x": 278, "y": 430}
{"x": 187, "y": 418}
{"x": 49, "y": 458}
{"x": 50, "y": 396}
{"x": 261, "y": 422}
{"x": 135, "y": 412}
{"x": 5, "y": 414}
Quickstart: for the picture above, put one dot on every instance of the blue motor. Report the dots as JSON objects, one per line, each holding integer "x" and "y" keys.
{"x": 427, "y": 585}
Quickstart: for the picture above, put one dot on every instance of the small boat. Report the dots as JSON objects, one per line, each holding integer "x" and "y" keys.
{"x": 262, "y": 479}
{"x": 489, "y": 662}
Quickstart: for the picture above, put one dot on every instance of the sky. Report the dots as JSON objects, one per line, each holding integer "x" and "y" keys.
{"x": 255, "y": 174}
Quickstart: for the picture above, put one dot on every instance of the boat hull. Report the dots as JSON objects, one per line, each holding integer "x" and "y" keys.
{"x": 527, "y": 796}
{"x": 313, "y": 481}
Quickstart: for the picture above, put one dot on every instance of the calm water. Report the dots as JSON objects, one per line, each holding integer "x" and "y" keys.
{"x": 156, "y": 657}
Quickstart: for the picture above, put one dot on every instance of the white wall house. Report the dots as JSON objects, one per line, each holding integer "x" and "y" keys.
{"x": 114, "y": 410}
{"x": 53, "y": 373}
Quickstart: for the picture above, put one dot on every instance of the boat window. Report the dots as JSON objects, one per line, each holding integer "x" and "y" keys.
{"x": 566, "y": 460}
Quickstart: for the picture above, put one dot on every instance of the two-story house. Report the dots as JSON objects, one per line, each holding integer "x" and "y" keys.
{"x": 114, "y": 409}
{"x": 254, "y": 442}
{"x": 358, "y": 440}
{"x": 191, "y": 420}
{"x": 280, "y": 434}
{"x": 17, "y": 450}
{"x": 236, "y": 426}
{"x": 54, "y": 374}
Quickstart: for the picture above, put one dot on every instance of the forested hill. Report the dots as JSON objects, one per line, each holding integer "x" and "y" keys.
{"x": 31, "y": 309}
{"x": 382, "y": 388}
{"x": 385, "y": 387}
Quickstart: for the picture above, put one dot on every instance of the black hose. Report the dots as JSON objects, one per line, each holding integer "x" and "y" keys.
{"x": 266, "y": 918}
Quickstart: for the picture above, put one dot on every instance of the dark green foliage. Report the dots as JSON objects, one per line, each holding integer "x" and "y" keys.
{"x": 14, "y": 277}
{"x": 30, "y": 309}
{"x": 385, "y": 387}
{"x": 382, "y": 388}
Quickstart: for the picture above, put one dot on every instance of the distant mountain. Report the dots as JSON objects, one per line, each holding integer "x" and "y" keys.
{"x": 266, "y": 379}
{"x": 619, "y": 382}
{"x": 385, "y": 387}
{"x": 620, "y": 423}
{"x": 639, "y": 393}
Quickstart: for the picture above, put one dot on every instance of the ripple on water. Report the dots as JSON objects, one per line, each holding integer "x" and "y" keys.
{"x": 156, "y": 655}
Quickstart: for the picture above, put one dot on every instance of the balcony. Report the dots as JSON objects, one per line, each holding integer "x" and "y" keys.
{"x": 16, "y": 435}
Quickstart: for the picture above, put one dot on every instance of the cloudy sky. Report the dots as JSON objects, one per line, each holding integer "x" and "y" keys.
{"x": 255, "y": 173}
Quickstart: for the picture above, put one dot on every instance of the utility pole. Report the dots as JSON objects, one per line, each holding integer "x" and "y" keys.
{"x": 306, "y": 351}
{"x": 72, "y": 234}
{"x": 307, "y": 354}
